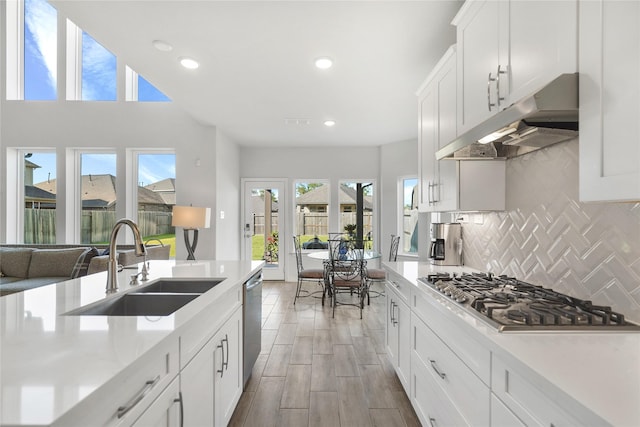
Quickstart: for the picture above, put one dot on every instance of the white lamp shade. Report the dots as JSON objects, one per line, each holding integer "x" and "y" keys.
{"x": 190, "y": 217}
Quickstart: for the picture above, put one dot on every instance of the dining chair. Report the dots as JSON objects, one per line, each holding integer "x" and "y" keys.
{"x": 345, "y": 274}
{"x": 379, "y": 275}
{"x": 306, "y": 274}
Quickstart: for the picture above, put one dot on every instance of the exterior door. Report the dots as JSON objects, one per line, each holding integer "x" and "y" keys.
{"x": 263, "y": 225}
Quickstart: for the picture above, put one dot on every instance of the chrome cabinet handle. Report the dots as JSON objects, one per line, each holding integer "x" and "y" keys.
{"x": 179, "y": 400}
{"x": 499, "y": 98}
{"x": 122, "y": 410}
{"x": 435, "y": 368}
{"x": 489, "y": 80}
{"x": 435, "y": 199}
{"x": 226, "y": 362}
{"x": 429, "y": 193}
{"x": 221, "y": 370}
{"x": 394, "y": 319}
{"x": 432, "y": 422}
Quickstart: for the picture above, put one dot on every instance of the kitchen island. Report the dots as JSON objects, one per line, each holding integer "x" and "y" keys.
{"x": 57, "y": 369}
{"x": 515, "y": 378}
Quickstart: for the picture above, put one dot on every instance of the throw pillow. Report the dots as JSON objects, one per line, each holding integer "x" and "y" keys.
{"x": 14, "y": 262}
{"x": 55, "y": 262}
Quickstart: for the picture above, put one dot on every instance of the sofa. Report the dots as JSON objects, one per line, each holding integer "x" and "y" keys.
{"x": 26, "y": 266}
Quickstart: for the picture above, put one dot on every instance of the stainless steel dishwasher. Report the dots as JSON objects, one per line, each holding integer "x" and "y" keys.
{"x": 252, "y": 322}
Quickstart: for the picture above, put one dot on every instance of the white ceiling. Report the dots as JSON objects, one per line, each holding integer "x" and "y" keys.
{"x": 256, "y": 62}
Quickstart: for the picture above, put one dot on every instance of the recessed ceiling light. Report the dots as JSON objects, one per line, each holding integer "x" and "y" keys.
{"x": 324, "y": 62}
{"x": 329, "y": 123}
{"x": 162, "y": 45}
{"x": 189, "y": 63}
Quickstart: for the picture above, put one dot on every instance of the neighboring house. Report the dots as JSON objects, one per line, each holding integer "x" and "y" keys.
{"x": 99, "y": 192}
{"x": 165, "y": 189}
{"x": 34, "y": 197}
{"x": 317, "y": 200}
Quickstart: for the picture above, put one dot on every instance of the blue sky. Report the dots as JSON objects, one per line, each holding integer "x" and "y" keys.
{"x": 98, "y": 83}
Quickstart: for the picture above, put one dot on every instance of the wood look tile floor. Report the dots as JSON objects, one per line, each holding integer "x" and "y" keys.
{"x": 315, "y": 370}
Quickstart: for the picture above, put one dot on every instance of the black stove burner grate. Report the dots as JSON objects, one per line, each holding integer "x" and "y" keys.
{"x": 508, "y": 301}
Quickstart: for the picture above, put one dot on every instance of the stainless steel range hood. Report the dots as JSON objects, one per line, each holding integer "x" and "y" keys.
{"x": 544, "y": 118}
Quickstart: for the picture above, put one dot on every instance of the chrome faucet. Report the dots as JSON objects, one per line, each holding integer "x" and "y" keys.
{"x": 112, "y": 266}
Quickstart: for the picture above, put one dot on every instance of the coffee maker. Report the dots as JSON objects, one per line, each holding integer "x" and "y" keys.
{"x": 446, "y": 244}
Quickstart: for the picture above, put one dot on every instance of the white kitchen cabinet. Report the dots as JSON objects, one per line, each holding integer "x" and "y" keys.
{"x": 501, "y": 416}
{"x": 509, "y": 49}
{"x": 397, "y": 337}
{"x": 437, "y": 127}
{"x": 165, "y": 411}
{"x": 609, "y": 110}
{"x": 455, "y": 380}
{"x": 527, "y": 400}
{"x": 451, "y": 185}
{"x": 228, "y": 368}
{"x": 211, "y": 383}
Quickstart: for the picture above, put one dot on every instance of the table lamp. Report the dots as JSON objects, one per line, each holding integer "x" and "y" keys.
{"x": 191, "y": 219}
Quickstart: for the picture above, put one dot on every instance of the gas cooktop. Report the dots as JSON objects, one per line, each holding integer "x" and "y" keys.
{"x": 511, "y": 305}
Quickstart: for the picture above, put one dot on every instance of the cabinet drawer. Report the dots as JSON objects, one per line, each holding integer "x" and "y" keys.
{"x": 525, "y": 400}
{"x": 475, "y": 355}
{"x": 400, "y": 284}
{"x": 121, "y": 400}
{"x": 501, "y": 416}
{"x": 455, "y": 378}
{"x": 207, "y": 323}
{"x": 431, "y": 405}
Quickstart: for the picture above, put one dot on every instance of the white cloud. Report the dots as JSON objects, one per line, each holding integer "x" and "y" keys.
{"x": 98, "y": 70}
{"x": 41, "y": 19}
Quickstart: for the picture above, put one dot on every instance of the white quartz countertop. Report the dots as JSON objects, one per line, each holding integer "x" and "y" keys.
{"x": 599, "y": 370}
{"x": 49, "y": 362}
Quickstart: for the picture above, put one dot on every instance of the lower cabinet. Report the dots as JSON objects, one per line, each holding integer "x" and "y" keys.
{"x": 211, "y": 383}
{"x": 398, "y": 335}
{"x": 166, "y": 410}
{"x": 501, "y": 416}
{"x": 458, "y": 388}
{"x": 527, "y": 401}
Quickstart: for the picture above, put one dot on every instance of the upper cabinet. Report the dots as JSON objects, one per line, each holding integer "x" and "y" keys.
{"x": 509, "y": 49}
{"x": 609, "y": 109}
{"x": 451, "y": 185}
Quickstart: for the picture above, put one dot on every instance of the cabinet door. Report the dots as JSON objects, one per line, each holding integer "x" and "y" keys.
{"x": 196, "y": 384}
{"x": 609, "y": 109}
{"x": 391, "y": 327}
{"x": 478, "y": 39}
{"x": 543, "y": 43}
{"x": 165, "y": 410}
{"x": 446, "y": 189}
{"x": 428, "y": 137}
{"x": 228, "y": 368}
{"x": 501, "y": 416}
{"x": 403, "y": 367}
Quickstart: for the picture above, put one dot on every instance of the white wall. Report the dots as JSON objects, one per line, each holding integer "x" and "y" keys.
{"x": 117, "y": 126}
{"x": 228, "y": 192}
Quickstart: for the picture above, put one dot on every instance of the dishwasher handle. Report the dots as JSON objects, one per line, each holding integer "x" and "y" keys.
{"x": 255, "y": 280}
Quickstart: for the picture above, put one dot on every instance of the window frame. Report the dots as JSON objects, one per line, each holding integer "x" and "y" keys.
{"x": 400, "y": 224}
{"x": 294, "y": 204}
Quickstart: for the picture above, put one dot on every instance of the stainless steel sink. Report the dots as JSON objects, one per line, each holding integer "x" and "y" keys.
{"x": 136, "y": 304}
{"x": 180, "y": 286}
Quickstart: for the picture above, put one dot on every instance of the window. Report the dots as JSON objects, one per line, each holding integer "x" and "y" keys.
{"x": 312, "y": 210}
{"x": 39, "y": 197}
{"x": 98, "y": 196}
{"x": 357, "y": 209}
{"x": 149, "y": 93}
{"x": 98, "y": 71}
{"x": 156, "y": 197}
{"x": 40, "y": 51}
{"x": 409, "y": 216}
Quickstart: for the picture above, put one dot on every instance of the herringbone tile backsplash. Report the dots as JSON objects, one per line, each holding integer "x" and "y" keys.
{"x": 547, "y": 237}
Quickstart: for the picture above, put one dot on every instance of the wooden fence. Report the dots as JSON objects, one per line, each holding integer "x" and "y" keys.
{"x": 40, "y": 225}
{"x": 313, "y": 223}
